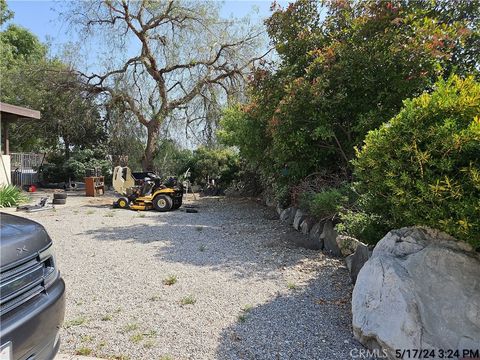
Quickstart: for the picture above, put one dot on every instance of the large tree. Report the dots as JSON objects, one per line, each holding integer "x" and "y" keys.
{"x": 164, "y": 56}
{"x": 70, "y": 115}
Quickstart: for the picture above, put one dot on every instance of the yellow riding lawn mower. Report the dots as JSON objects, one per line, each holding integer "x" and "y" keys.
{"x": 146, "y": 191}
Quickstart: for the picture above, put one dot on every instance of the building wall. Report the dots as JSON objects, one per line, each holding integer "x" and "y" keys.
{"x": 5, "y": 170}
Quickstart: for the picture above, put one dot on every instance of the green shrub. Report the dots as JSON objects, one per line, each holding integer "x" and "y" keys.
{"x": 59, "y": 169}
{"x": 368, "y": 228}
{"x": 423, "y": 166}
{"x": 11, "y": 196}
{"x": 221, "y": 164}
{"x": 282, "y": 194}
{"x": 326, "y": 203}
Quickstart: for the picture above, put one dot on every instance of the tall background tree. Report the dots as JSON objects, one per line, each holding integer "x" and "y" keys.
{"x": 165, "y": 56}
{"x": 29, "y": 77}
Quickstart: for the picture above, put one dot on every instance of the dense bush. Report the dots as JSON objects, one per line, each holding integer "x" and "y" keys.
{"x": 11, "y": 196}
{"x": 171, "y": 159}
{"x": 328, "y": 202}
{"x": 343, "y": 69}
{"x": 219, "y": 164}
{"x": 59, "y": 169}
{"x": 423, "y": 166}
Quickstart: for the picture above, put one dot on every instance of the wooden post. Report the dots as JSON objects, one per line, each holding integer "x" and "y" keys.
{"x": 5, "y": 145}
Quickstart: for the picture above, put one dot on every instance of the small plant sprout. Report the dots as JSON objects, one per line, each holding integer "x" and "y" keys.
{"x": 243, "y": 315}
{"x": 130, "y": 327}
{"x": 84, "y": 351}
{"x": 149, "y": 344}
{"x": 120, "y": 357}
{"x": 86, "y": 338}
{"x": 247, "y": 308}
{"x": 291, "y": 285}
{"x": 170, "y": 280}
{"x": 188, "y": 300}
{"x": 75, "y": 322}
{"x": 136, "y": 338}
{"x": 242, "y": 318}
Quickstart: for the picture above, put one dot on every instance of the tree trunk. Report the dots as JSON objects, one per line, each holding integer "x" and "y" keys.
{"x": 67, "y": 149}
{"x": 149, "y": 154}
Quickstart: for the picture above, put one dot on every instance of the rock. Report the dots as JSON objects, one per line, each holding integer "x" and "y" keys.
{"x": 314, "y": 235}
{"x": 348, "y": 262}
{"x": 347, "y": 244}
{"x": 419, "y": 290}
{"x": 357, "y": 260}
{"x": 329, "y": 238}
{"x": 307, "y": 225}
{"x": 299, "y": 217}
{"x": 270, "y": 202}
{"x": 288, "y": 215}
{"x": 279, "y": 209}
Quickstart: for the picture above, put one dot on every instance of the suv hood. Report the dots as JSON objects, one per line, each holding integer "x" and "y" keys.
{"x": 20, "y": 239}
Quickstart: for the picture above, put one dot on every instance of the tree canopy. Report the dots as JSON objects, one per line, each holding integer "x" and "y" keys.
{"x": 178, "y": 54}
{"x": 344, "y": 69}
{"x": 29, "y": 78}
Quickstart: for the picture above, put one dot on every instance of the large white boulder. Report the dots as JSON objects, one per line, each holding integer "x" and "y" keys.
{"x": 419, "y": 290}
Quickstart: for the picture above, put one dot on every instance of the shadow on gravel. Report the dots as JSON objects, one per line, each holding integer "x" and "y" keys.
{"x": 203, "y": 248}
{"x": 235, "y": 236}
{"x": 312, "y": 322}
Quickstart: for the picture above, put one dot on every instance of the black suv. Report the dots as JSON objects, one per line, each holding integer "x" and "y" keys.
{"x": 32, "y": 293}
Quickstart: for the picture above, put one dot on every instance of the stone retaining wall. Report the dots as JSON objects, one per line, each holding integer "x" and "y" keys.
{"x": 322, "y": 236}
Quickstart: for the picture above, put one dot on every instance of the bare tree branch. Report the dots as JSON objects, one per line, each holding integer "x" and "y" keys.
{"x": 182, "y": 49}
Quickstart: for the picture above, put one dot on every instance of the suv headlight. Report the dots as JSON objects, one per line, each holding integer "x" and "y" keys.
{"x": 50, "y": 272}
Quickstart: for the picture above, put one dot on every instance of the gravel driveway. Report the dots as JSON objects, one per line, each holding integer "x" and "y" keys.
{"x": 224, "y": 283}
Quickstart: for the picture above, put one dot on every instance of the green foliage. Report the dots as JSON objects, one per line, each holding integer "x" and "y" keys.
{"x": 58, "y": 169}
{"x": 19, "y": 44}
{"x": 221, "y": 164}
{"x": 125, "y": 135}
{"x": 423, "y": 166}
{"x": 364, "y": 226}
{"x": 325, "y": 204}
{"x": 241, "y": 127}
{"x": 343, "y": 74}
{"x": 282, "y": 193}
{"x": 5, "y": 13}
{"x": 70, "y": 116}
{"x": 11, "y": 196}
{"x": 171, "y": 159}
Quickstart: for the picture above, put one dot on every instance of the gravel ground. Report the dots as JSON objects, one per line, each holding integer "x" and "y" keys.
{"x": 239, "y": 286}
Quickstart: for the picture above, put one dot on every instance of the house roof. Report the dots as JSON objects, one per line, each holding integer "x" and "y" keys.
{"x": 18, "y": 112}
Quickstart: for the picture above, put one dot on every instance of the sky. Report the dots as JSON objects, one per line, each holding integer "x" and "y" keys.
{"x": 41, "y": 17}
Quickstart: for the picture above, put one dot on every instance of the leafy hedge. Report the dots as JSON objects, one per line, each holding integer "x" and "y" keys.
{"x": 423, "y": 166}
{"x": 59, "y": 169}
